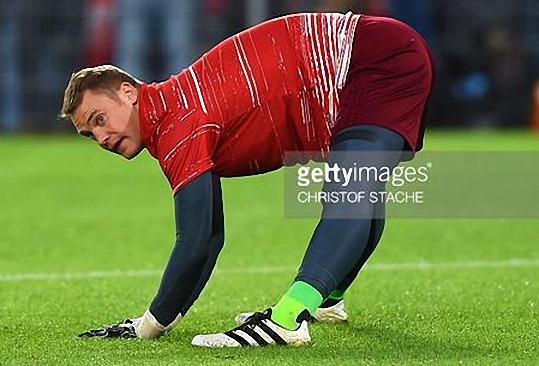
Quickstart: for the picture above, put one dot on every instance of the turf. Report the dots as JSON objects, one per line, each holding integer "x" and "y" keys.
{"x": 73, "y": 215}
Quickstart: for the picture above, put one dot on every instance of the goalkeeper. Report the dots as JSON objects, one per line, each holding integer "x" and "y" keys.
{"x": 345, "y": 88}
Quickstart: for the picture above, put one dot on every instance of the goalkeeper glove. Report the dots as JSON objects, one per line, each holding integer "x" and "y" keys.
{"x": 145, "y": 327}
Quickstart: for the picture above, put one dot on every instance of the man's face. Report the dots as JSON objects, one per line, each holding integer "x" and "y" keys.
{"x": 110, "y": 118}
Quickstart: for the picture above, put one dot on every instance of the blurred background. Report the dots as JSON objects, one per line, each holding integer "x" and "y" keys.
{"x": 487, "y": 51}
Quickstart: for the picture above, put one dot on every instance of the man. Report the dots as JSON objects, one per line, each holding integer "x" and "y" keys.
{"x": 348, "y": 88}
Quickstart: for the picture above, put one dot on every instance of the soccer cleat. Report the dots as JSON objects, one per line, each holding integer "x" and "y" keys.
{"x": 331, "y": 314}
{"x": 257, "y": 330}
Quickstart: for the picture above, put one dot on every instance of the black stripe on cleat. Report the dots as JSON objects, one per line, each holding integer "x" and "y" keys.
{"x": 257, "y": 337}
{"x": 237, "y": 338}
{"x": 277, "y": 338}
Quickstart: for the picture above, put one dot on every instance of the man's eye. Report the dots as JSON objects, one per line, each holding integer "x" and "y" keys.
{"x": 100, "y": 120}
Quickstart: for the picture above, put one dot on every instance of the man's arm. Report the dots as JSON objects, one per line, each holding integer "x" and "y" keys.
{"x": 199, "y": 239}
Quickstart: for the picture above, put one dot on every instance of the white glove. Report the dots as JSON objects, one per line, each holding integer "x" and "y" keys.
{"x": 147, "y": 327}
{"x": 144, "y": 327}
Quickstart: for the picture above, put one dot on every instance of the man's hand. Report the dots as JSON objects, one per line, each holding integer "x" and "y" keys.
{"x": 145, "y": 327}
{"x": 125, "y": 329}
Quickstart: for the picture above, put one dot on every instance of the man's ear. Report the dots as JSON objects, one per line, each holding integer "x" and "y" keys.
{"x": 130, "y": 92}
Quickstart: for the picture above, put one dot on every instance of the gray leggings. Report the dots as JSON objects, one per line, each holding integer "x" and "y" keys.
{"x": 348, "y": 233}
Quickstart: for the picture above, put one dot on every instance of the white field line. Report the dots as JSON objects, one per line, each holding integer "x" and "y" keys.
{"x": 413, "y": 266}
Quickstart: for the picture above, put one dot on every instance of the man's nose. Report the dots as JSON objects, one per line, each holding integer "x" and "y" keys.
{"x": 101, "y": 137}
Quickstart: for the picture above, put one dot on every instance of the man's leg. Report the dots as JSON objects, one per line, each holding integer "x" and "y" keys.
{"x": 377, "y": 228}
{"x": 330, "y": 310}
{"x": 337, "y": 245}
{"x": 340, "y": 243}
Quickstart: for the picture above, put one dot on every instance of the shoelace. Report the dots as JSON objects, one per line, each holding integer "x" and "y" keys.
{"x": 257, "y": 321}
{"x": 257, "y": 318}
{"x": 254, "y": 319}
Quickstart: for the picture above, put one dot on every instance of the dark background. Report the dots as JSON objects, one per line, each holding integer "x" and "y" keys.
{"x": 487, "y": 51}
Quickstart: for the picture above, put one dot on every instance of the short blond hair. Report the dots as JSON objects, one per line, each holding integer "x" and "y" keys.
{"x": 104, "y": 78}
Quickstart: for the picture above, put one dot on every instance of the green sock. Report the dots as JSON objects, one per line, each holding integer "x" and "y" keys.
{"x": 300, "y": 296}
{"x": 334, "y": 298}
{"x": 336, "y": 295}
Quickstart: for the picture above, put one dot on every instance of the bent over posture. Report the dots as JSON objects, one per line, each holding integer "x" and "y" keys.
{"x": 348, "y": 89}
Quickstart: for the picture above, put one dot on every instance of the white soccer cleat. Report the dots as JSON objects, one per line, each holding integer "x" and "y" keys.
{"x": 332, "y": 314}
{"x": 257, "y": 330}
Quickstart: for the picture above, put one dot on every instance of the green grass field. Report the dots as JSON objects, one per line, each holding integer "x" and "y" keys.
{"x": 84, "y": 235}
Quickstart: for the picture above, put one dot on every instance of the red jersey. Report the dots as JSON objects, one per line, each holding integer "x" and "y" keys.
{"x": 271, "y": 89}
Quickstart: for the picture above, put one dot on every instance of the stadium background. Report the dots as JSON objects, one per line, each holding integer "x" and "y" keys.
{"x": 85, "y": 235}
{"x": 486, "y": 50}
